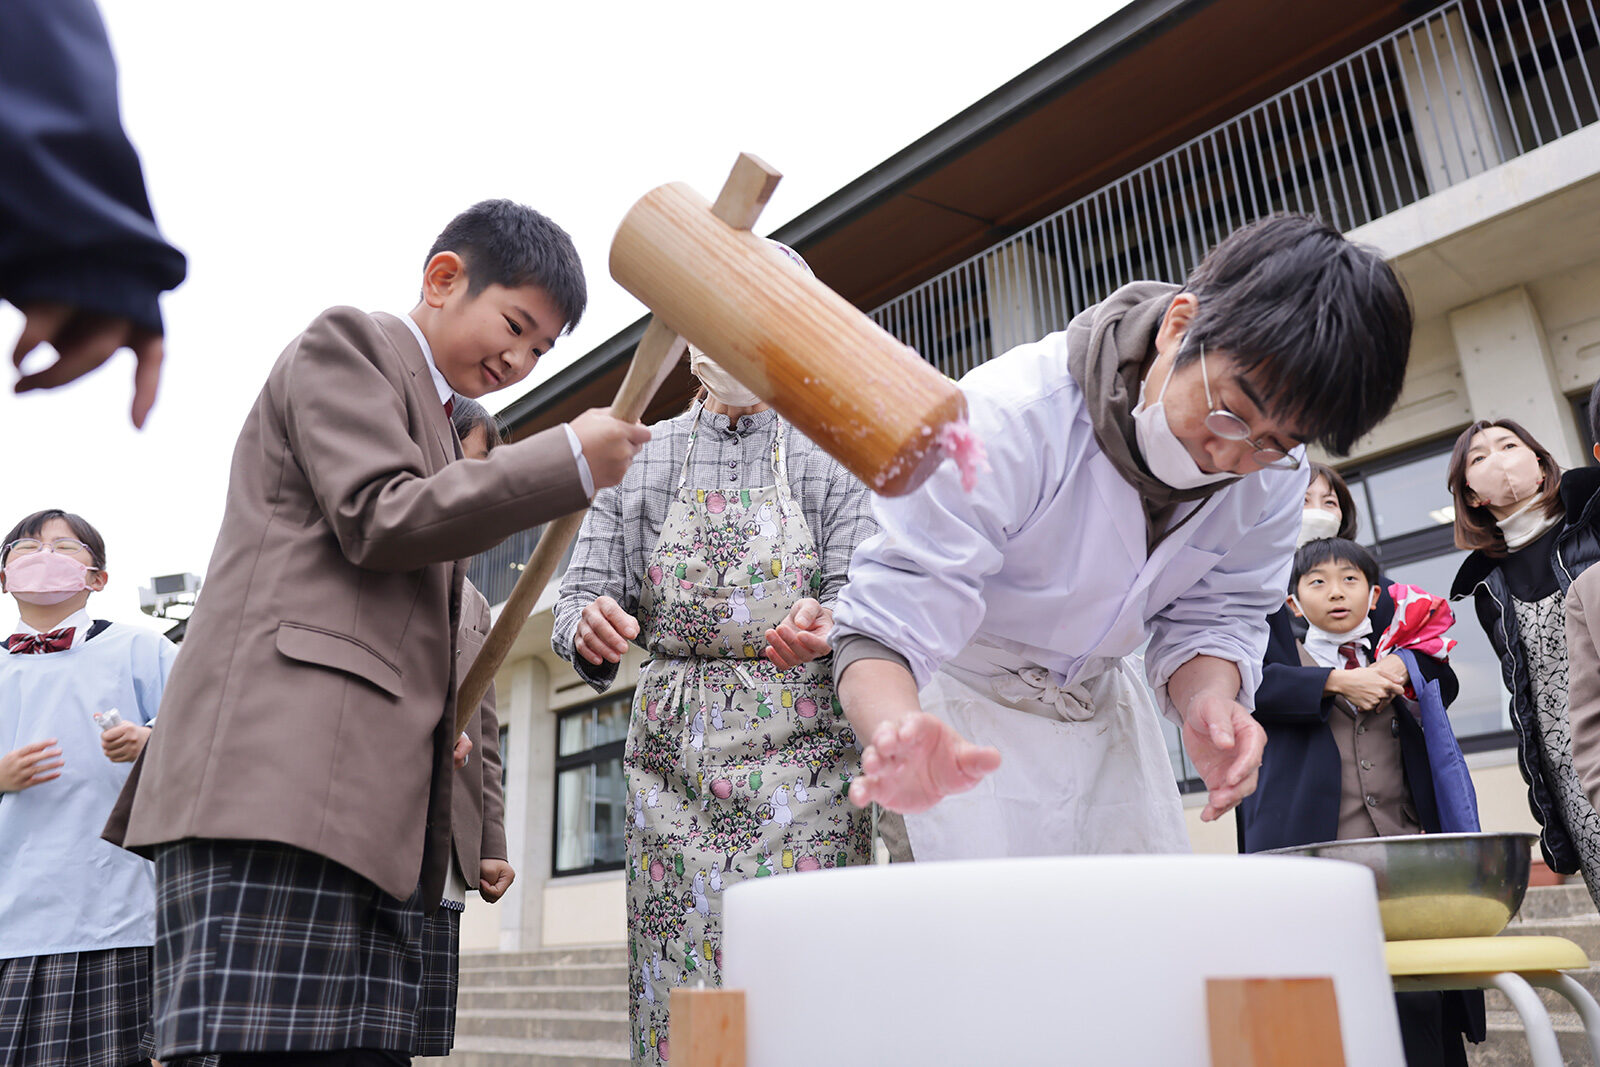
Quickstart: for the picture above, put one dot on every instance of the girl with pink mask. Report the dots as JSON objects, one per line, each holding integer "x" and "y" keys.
{"x": 77, "y": 914}
{"x": 1530, "y": 527}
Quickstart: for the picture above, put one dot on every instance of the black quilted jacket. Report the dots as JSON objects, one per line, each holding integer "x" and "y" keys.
{"x": 1576, "y": 547}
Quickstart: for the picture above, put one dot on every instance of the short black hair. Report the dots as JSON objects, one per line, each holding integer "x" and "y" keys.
{"x": 505, "y": 243}
{"x": 1314, "y": 554}
{"x": 1322, "y": 325}
{"x": 468, "y": 415}
{"x": 33, "y": 526}
{"x": 1594, "y": 413}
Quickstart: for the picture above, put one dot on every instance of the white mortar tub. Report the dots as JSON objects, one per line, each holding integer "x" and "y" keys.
{"x": 1093, "y": 960}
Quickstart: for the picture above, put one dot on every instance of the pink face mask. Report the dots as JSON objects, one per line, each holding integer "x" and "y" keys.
{"x": 1506, "y": 476}
{"x": 46, "y": 578}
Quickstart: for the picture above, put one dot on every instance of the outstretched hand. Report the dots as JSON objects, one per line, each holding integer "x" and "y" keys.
{"x": 83, "y": 340}
{"x": 802, "y": 636}
{"x": 917, "y": 760}
{"x": 1224, "y": 743}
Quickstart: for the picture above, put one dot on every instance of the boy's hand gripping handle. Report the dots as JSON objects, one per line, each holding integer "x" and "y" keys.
{"x": 744, "y": 194}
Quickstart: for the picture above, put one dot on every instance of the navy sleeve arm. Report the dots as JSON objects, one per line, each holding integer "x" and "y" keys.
{"x": 1292, "y": 694}
{"x": 75, "y": 221}
{"x": 1289, "y": 693}
{"x": 1436, "y": 671}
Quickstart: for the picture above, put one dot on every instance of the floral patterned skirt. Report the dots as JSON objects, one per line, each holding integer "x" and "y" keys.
{"x": 735, "y": 771}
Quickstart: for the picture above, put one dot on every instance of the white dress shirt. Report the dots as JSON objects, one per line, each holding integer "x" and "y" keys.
{"x": 446, "y": 393}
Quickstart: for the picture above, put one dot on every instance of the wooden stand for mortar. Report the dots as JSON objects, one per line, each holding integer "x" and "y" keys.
{"x": 1255, "y": 1022}
{"x": 860, "y": 394}
{"x": 746, "y": 192}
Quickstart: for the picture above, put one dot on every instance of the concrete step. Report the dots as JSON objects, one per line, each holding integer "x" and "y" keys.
{"x": 549, "y": 957}
{"x": 473, "y": 1051}
{"x": 1507, "y": 1045}
{"x": 1557, "y": 902}
{"x": 545, "y": 998}
{"x": 527, "y": 1024}
{"x": 568, "y": 974}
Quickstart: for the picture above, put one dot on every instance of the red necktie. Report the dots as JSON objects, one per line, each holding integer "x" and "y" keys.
{"x": 1351, "y": 653}
{"x": 450, "y": 407}
{"x": 38, "y": 644}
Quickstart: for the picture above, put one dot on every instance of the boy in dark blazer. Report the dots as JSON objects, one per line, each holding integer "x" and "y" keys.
{"x": 297, "y": 799}
{"x": 1346, "y": 757}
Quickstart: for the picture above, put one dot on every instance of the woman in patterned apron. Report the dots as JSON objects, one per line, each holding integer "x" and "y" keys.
{"x": 719, "y": 554}
{"x": 1531, "y": 528}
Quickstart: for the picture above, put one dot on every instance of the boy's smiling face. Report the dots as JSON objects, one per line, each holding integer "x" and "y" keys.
{"x": 1334, "y": 596}
{"x": 487, "y": 340}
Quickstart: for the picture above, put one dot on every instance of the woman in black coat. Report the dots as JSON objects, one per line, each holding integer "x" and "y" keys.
{"x": 1531, "y": 529}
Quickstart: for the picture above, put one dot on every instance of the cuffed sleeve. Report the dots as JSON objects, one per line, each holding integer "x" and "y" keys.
{"x": 493, "y": 845}
{"x": 1224, "y": 613}
{"x": 853, "y": 647}
{"x": 75, "y": 221}
{"x": 598, "y": 568}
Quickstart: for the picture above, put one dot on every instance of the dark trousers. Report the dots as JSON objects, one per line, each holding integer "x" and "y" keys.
{"x": 349, "y": 1057}
{"x": 1427, "y": 1040}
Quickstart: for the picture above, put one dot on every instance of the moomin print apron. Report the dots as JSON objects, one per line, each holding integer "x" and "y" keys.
{"x": 735, "y": 769}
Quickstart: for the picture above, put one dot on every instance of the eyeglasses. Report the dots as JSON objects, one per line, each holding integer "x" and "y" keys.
{"x": 27, "y": 546}
{"x": 1230, "y": 427}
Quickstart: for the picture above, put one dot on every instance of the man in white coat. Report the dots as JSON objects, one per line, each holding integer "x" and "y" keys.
{"x": 1146, "y": 484}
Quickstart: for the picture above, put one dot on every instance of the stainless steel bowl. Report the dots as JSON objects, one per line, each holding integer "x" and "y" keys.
{"x": 1439, "y": 885}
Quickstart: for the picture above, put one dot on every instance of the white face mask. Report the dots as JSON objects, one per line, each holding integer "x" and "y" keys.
{"x": 1163, "y": 453}
{"x": 1324, "y": 644}
{"x": 1316, "y": 524}
{"x": 719, "y": 383}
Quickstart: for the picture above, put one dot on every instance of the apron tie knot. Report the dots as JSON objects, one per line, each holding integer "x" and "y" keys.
{"x": 1071, "y": 702}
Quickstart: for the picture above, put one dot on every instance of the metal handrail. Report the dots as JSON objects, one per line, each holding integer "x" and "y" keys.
{"x": 1455, "y": 92}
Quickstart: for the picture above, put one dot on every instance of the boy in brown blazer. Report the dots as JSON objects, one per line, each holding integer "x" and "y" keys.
{"x": 297, "y": 799}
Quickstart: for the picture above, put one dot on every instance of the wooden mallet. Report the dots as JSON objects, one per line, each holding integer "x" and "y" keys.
{"x": 855, "y": 390}
{"x": 746, "y": 192}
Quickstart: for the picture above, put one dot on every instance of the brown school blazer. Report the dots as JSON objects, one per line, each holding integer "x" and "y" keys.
{"x": 1583, "y": 678}
{"x": 312, "y": 703}
{"x": 477, "y": 805}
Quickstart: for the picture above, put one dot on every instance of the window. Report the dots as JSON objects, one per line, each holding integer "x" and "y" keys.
{"x": 591, "y": 788}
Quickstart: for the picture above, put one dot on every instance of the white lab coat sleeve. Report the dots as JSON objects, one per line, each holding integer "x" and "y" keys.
{"x": 917, "y": 585}
{"x": 1224, "y": 614}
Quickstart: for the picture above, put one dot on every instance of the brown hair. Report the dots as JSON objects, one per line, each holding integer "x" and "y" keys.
{"x": 33, "y": 526}
{"x": 1476, "y": 529}
{"x": 1349, "y": 521}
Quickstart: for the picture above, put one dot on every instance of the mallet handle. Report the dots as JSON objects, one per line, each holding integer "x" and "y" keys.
{"x": 744, "y": 194}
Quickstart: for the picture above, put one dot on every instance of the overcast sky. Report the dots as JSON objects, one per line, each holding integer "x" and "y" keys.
{"x": 305, "y": 153}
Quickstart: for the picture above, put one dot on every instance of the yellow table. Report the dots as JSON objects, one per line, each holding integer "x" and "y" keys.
{"x": 1512, "y": 965}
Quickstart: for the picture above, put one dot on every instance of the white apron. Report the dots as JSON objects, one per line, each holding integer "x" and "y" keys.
{"x": 1084, "y": 767}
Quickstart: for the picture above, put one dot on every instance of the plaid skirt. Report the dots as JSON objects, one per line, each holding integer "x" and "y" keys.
{"x": 261, "y": 947}
{"x": 441, "y": 955}
{"x": 74, "y": 1009}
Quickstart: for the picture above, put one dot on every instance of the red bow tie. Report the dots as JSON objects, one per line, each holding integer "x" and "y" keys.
{"x": 37, "y": 644}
